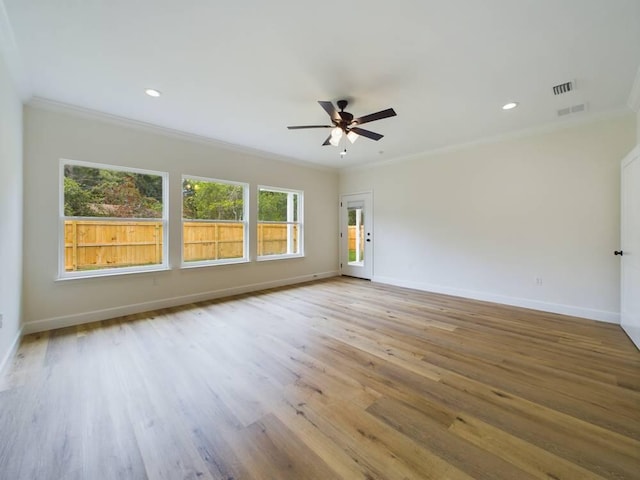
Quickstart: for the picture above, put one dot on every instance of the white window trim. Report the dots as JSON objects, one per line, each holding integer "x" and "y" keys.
{"x": 300, "y": 223}
{"x": 245, "y": 214}
{"x": 107, "y": 272}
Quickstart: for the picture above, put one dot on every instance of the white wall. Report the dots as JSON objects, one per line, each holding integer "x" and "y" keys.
{"x": 486, "y": 221}
{"x": 10, "y": 212}
{"x": 54, "y": 133}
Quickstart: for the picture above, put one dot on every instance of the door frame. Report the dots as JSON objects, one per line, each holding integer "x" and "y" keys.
{"x": 368, "y": 258}
{"x": 631, "y": 325}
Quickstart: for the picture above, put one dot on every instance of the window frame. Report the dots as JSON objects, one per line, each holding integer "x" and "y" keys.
{"x": 299, "y": 222}
{"x": 106, "y": 272}
{"x": 245, "y": 221}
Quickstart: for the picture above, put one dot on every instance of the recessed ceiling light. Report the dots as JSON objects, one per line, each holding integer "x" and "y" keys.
{"x": 152, "y": 92}
{"x": 510, "y": 105}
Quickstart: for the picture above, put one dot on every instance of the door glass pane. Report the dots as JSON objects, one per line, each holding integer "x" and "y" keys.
{"x": 356, "y": 235}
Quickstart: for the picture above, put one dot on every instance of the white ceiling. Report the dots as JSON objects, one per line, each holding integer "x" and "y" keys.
{"x": 241, "y": 71}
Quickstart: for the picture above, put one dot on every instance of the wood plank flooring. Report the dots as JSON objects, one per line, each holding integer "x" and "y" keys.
{"x": 337, "y": 379}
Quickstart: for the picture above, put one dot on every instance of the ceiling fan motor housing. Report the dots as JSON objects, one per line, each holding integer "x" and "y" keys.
{"x": 345, "y": 118}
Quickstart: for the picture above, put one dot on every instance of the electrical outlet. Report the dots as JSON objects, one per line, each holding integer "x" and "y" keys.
{"x": 538, "y": 281}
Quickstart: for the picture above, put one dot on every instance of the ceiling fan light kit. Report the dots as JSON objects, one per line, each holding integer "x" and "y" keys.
{"x": 336, "y": 136}
{"x": 343, "y": 123}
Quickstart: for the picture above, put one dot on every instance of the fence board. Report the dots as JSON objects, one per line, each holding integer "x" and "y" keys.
{"x": 212, "y": 241}
{"x": 352, "y": 237}
{"x": 104, "y": 244}
{"x": 272, "y": 238}
{"x": 97, "y": 244}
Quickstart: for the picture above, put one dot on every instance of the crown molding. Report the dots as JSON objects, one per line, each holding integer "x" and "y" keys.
{"x": 524, "y": 133}
{"x": 9, "y": 50}
{"x": 65, "y": 108}
{"x": 634, "y": 96}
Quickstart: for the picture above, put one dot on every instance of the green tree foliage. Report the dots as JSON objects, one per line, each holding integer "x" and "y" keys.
{"x": 272, "y": 206}
{"x": 77, "y": 201}
{"x": 121, "y": 198}
{"x": 204, "y": 200}
{"x": 97, "y": 192}
{"x": 352, "y": 216}
{"x": 87, "y": 177}
{"x": 149, "y": 186}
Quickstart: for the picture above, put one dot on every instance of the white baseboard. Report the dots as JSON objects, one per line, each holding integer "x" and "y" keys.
{"x": 574, "y": 311}
{"x": 107, "y": 313}
{"x": 13, "y": 348}
{"x": 633, "y": 332}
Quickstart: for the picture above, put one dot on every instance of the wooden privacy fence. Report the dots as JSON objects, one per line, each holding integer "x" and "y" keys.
{"x": 352, "y": 237}
{"x": 272, "y": 238}
{"x": 103, "y": 244}
{"x": 212, "y": 241}
{"x": 97, "y": 244}
{"x": 215, "y": 241}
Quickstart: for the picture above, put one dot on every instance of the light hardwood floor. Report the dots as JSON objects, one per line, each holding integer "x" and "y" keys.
{"x": 337, "y": 379}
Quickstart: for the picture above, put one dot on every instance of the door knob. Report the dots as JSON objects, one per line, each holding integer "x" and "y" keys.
{"x": 618, "y": 252}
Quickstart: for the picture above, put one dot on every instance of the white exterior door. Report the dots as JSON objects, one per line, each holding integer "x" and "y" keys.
{"x": 356, "y": 235}
{"x": 630, "y": 248}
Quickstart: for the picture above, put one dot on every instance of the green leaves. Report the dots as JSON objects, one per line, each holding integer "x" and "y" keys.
{"x": 97, "y": 192}
{"x": 272, "y": 206}
{"x": 208, "y": 200}
{"x": 77, "y": 200}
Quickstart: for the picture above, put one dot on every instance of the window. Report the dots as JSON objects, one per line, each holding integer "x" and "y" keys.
{"x": 112, "y": 220}
{"x": 214, "y": 221}
{"x": 280, "y": 232}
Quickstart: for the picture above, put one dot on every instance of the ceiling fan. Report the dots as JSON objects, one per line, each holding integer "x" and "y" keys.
{"x": 345, "y": 124}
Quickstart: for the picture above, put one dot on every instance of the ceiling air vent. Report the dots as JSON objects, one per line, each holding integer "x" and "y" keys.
{"x": 563, "y": 88}
{"x": 578, "y": 108}
{"x": 581, "y": 107}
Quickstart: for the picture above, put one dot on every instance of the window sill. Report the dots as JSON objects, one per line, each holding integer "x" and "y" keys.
{"x": 213, "y": 263}
{"x": 111, "y": 273}
{"x": 268, "y": 258}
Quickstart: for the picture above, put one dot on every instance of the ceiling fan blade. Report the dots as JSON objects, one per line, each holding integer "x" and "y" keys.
{"x": 327, "y": 141}
{"x": 298, "y": 127}
{"x": 331, "y": 110}
{"x": 367, "y": 133}
{"x": 389, "y": 112}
